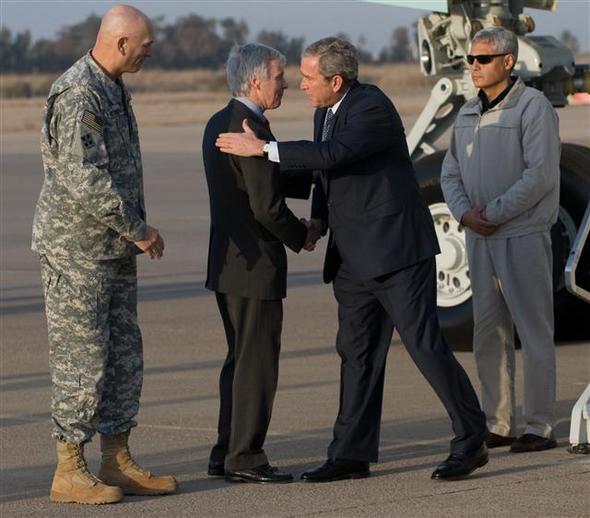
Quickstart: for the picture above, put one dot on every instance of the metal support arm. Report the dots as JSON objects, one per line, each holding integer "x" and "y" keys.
{"x": 446, "y": 98}
{"x": 577, "y": 269}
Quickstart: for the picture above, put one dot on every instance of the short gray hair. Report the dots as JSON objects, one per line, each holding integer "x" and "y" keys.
{"x": 247, "y": 61}
{"x": 337, "y": 57}
{"x": 503, "y": 40}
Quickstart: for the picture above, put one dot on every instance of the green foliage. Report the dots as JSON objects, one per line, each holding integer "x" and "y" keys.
{"x": 399, "y": 49}
{"x": 291, "y": 48}
{"x": 14, "y": 50}
{"x": 570, "y": 41}
{"x": 192, "y": 41}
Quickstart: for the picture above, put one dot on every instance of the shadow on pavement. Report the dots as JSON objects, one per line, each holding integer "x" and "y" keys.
{"x": 19, "y": 305}
{"x": 412, "y": 439}
{"x": 41, "y": 379}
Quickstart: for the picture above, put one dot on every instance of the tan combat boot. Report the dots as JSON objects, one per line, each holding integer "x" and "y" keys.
{"x": 119, "y": 468}
{"x": 73, "y": 482}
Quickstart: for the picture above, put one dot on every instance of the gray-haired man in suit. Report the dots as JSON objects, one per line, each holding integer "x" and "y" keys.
{"x": 250, "y": 226}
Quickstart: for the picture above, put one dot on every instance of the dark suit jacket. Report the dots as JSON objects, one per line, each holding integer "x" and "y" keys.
{"x": 250, "y": 221}
{"x": 367, "y": 188}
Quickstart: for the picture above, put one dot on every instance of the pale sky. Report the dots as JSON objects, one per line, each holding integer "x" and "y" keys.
{"x": 312, "y": 19}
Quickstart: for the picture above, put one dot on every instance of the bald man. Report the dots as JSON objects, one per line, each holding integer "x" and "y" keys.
{"x": 89, "y": 226}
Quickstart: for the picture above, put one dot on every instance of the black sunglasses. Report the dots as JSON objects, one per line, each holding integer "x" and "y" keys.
{"x": 484, "y": 59}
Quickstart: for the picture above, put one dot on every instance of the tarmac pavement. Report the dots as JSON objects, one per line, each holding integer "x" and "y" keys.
{"x": 184, "y": 349}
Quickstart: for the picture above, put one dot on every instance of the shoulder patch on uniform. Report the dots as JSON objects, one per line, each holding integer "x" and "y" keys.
{"x": 91, "y": 121}
{"x": 87, "y": 141}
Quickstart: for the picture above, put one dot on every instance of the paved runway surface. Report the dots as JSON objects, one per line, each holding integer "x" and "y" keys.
{"x": 184, "y": 347}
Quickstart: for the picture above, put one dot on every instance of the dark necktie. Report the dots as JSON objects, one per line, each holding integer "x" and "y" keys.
{"x": 328, "y": 123}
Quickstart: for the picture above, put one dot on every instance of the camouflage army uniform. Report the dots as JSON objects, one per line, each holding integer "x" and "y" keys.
{"x": 89, "y": 212}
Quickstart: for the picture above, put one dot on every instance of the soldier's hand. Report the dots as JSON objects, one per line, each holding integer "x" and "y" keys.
{"x": 152, "y": 243}
{"x": 157, "y": 251}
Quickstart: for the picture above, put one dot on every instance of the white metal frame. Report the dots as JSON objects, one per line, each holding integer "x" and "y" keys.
{"x": 574, "y": 258}
{"x": 580, "y": 424}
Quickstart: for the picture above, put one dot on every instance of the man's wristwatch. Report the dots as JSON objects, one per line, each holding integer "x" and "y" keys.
{"x": 265, "y": 149}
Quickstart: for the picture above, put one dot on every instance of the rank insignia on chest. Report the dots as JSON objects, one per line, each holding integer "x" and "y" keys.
{"x": 87, "y": 141}
{"x": 91, "y": 121}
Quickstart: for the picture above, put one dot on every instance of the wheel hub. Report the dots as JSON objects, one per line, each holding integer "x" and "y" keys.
{"x": 452, "y": 270}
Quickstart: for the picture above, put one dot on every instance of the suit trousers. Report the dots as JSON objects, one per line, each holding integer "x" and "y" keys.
{"x": 248, "y": 380}
{"x": 512, "y": 285}
{"x": 367, "y": 314}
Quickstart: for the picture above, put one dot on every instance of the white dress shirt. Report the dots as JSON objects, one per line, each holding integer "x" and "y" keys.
{"x": 254, "y": 107}
{"x": 273, "y": 151}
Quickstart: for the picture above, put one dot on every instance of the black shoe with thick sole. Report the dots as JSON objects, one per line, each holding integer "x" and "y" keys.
{"x": 265, "y": 474}
{"x": 337, "y": 469}
{"x": 493, "y": 440}
{"x": 529, "y": 442}
{"x": 459, "y": 465}
{"x": 216, "y": 470}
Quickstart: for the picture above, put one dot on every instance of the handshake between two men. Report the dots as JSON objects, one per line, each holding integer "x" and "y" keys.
{"x": 314, "y": 233}
{"x": 153, "y": 242}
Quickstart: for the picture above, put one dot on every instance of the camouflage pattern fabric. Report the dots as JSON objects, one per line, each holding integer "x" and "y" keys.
{"x": 89, "y": 212}
{"x": 95, "y": 346}
{"x": 91, "y": 204}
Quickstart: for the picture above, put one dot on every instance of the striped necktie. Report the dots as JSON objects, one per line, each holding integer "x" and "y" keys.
{"x": 328, "y": 123}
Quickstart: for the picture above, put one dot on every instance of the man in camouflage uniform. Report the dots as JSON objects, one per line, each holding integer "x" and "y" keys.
{"x": 89, "y": 225}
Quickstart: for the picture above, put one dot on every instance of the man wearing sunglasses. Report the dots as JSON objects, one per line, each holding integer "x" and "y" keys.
{"x": 500, "y": 179}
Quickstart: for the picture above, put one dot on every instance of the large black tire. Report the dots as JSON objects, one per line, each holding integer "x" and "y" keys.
{"x": 571, "y": 313}
{"x": 457, "y": 321}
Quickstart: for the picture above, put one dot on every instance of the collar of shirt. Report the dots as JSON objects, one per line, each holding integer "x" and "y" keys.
{"x": 335, "y": 106}
{"x": 114, "y": 89}
{"x": 253, "y": 107}
{"x": 486, "y": 104}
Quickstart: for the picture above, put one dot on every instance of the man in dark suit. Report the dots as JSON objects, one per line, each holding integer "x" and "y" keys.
{"x": 250, "y": 224}
{"x": 380, "y": 259}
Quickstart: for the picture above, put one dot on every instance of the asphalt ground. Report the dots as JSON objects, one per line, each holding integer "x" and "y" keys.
{"x": 184, "y": 348}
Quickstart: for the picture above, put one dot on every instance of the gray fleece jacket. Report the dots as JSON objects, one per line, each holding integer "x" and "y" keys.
{"x": 506, "y": 160}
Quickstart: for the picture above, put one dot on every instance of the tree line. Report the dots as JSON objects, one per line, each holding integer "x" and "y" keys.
{"x": 191, "y": 41}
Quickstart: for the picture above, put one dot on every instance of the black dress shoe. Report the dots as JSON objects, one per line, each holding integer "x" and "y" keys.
{"x": 265, "y": 474}
{"x": 337, "y": 469}
{"x": 459, "y": 465}
{"x": 531, "y": 442}
{"x": 493, "y": 440}
{"x": 216, "y": 469}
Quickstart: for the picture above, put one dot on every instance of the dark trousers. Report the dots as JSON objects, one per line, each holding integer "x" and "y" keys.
{"x": 248, "y": 379}
{"x": 367, "y": 314}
